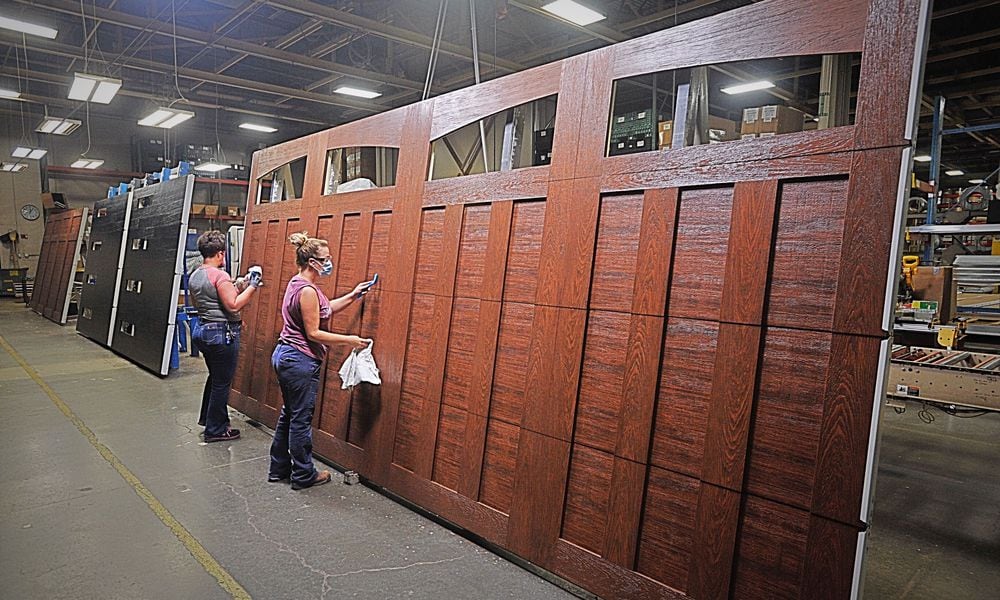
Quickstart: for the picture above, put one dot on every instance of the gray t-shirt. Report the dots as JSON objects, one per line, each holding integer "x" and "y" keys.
{"x": 203, "y": 285}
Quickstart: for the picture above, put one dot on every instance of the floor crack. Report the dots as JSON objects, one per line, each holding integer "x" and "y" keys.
{"x": 279, "y": 545}
{"x": 400, "y": 568}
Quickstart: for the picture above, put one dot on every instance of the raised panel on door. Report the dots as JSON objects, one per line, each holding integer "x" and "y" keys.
{"x": 450, "y": 446}
{"x": 527, "y": 224}
{"x": 413, "y": 392}
{"x": 667, "y": 533}
{"x": 616, "y": 255}
{"x": 513, "y": 344}
{"x": 807, "y": 250}
{"x": 685, "y": 395}
{"x": 788, "y": 416}
{"x": 472, "y": 251}
{"x": 588, "y": 490}
{"x": 429, "y": 249}
{"x": 602, "y": 382}
{"x": 496, "y": 488}
{"x": 700, "y": 251}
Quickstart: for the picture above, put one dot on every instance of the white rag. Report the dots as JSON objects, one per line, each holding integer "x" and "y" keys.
{"x": 359, "y": 367}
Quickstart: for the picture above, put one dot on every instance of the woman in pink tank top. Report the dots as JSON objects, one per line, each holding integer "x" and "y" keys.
{"x": 298, "y": 358}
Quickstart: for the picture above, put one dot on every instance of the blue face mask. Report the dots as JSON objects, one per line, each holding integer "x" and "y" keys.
{"x": 327, "y": 267}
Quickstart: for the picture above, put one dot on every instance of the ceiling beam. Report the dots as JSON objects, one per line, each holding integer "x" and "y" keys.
{"x": 384, "y": 30}
{"x": 965, "y": 39}
{"x": 282, "y": 43}
{"x": 284, "y": 114}
{"x": 666, "y": 14}
{"x": 982, "y": 49}
{"x": 201, "y": 37}
{"x": 963, "y": 8}
{"x": 51, "y": 47}
{"x": 962, "y": 75}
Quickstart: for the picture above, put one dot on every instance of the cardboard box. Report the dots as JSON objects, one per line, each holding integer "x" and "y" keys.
{"x": 721, "y": 130}
{"x": 750, "y": 125}
{"x": 771, "y": 119}
{"x": 233, "y": 211}
{"x": 936, "y": 284}
{"x": 211, "y": 210}
{"x": 665, "y": 131}
{"x": 198, "y": 209}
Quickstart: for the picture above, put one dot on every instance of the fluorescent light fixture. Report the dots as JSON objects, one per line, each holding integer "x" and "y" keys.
{"x": 13, "y": 167}
{"x": 26, "y": 152}
{"x": 87, "y": 163}
{"x": 254, "y": 127}
{"x": 742, "y": 88}
{"x": 166, "y": 118}
{"x": 573, "y": 12}
{"x": 356, "y": 92}
{"x": 210, "y": 167}
{"x": 954, "y": 172}
{"x": 922, "y": 158}
{"x": 9, "y": 94}
{"x": 93, "y": 88}
{"x": 29, "y": 28}
{"x": 975, "y": 181}
{"x": 57, "y": 126}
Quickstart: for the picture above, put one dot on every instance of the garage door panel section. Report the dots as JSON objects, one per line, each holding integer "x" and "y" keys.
{"x": 108, "y": 230}
{"x": 151, "y": 273}
{"x": 60, "y": 252}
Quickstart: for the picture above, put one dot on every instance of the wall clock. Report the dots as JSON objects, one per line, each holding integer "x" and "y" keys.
{"x": 30, "y": 212}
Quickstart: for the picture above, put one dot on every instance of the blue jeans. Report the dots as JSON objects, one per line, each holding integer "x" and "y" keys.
{"x": 220, "y": 344}
{"x": 291, "y": 449}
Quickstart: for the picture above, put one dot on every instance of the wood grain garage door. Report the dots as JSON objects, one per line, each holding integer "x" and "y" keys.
{"x": 653, "y": 374}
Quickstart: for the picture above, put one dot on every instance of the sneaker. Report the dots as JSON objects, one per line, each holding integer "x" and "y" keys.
{"x": 321, "y": 478}
{"x": 278, "y": 478}
{"x": 229, "y": 435}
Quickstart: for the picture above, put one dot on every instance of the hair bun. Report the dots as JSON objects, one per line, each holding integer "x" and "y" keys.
{"x": 298, "y": 239}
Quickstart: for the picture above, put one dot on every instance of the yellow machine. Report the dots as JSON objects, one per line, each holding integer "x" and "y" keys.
{"x": 910, "y": 265}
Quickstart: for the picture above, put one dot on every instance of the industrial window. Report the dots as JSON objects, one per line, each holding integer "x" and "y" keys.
{"x": 359, "y": 168}
{"x": 515, "y": 138}
{"x": 283, "y": 183}
{"x": 732, "y": 101}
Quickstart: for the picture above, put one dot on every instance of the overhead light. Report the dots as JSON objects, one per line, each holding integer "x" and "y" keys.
{"x": 356, "y": 92}
{"x": 166, "y": 118}
{"x": 57, "y": 126}
{"x": 93, "y": 88}
{"x": 13, "y": 167}
{"x": 954, "y": 172}
{"x": 26, "y": 152}
{"x": 747, "y": 87}
{"x": 573, "y": 12}
{"x": 87, "y": 163}
{"x": 922, "y": 158}
{"x": 9, "y": 94}
{"x": 29, "y": 28}
{"x": 975, "y": 181}
{"x": 210, "y": 167}
{"x": 253, "y": 127}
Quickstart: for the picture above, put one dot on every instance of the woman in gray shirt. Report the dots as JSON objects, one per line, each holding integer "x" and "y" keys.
{"x": 217, "y": 334}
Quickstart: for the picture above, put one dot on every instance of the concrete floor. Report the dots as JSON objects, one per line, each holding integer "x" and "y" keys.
{"x": 72, "y": 526}
{"x": 935, "y": 532}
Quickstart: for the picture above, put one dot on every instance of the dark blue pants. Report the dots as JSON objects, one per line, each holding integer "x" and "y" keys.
{"x": 291, "y": 449}
{"x": 220, "y": 345}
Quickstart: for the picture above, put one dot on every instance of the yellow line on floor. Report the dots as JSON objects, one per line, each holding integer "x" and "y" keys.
{"x": 198, "y": 551}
